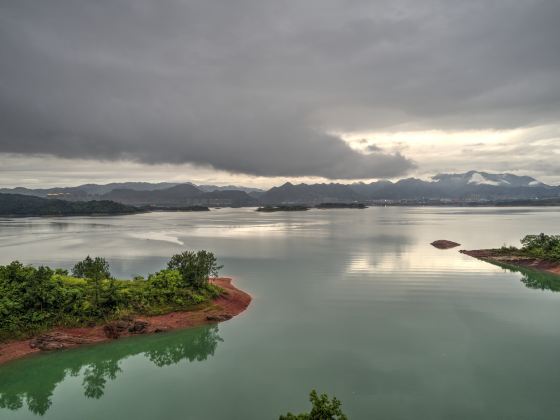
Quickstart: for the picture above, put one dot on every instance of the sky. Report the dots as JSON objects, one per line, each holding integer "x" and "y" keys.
{"x": 259, "y": 92}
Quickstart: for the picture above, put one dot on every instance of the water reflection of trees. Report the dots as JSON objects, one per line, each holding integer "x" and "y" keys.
{"x": 534, "y": 279}
{"x": 33, "y": 381}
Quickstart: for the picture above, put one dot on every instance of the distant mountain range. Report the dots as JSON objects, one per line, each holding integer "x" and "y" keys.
{"x": 210, "y": 188}
{"x": 87, "y": 191}
{"x": 469, "y": 186}
{"x": 310, "y": 194}
{"x": 181, "y": 195}
{"x": 146, "y": 194}
{"x": 472, "y": 186}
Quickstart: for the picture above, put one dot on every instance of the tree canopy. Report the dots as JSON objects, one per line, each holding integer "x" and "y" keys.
{"x": 195, "y": 267}
{"x": 92, "y": 268}
{"x": 542, "y": 246}
{"x": 322, "y": 408}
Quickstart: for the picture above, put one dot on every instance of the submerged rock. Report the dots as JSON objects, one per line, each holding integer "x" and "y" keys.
{"x": 444, "y": 244}
{"x": 220, "y": 317}
{"x": 113, "y": 330}
{"x": 138, "y": 327}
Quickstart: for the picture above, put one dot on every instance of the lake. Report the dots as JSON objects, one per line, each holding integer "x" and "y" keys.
{"x": 354, "y": 303}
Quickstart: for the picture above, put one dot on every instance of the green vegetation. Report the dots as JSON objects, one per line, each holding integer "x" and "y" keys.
{"x": 195, "y": 267}
{"x": 36, "y": 299}
{"x": 545, "y": 247}
{"x": 323, "y": 408}
{"x": 542, "y": 246}
{"x": 24, "y": 205}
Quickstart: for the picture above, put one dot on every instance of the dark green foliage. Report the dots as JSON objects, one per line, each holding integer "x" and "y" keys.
{"x": 323, "y": 408}
{"x": 92, "y": 268}
{"x": 25, "y": 205}
{"x": 31, "y": 298}
{"x": 35, "y": 299}
{"x": 195, "y": 267}
{"x": 95, "y": 270}
{"x": 542, "y": 246}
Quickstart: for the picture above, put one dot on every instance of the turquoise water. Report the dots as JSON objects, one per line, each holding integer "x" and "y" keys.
{"x": 355, "y": 303}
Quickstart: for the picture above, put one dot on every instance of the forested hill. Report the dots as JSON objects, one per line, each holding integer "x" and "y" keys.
{"x": 25, "y": 205}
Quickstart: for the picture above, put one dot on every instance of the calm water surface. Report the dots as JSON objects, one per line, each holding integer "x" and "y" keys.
{"x": 355, "y": 303}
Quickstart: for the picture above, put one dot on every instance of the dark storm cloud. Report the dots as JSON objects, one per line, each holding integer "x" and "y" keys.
{"x": 260, "y": 87}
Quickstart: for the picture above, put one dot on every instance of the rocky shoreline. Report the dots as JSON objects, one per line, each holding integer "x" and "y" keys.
{"x": 231, "y": 303}
{"x": 498, "y": 256}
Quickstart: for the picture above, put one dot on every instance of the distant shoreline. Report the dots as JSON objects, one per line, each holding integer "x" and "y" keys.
{"x": 499, "y": 257}
{"x": 229, "y": 304}
{"x": 280, "y": 208}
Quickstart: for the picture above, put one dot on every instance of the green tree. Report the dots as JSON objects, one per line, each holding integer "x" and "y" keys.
{"x": 542, "y": 246}
{"x": 94, "y": 270}
{"x": 323, "y": 408}
{"x": 195, "y": 267}
{"x": 29, "y": 298}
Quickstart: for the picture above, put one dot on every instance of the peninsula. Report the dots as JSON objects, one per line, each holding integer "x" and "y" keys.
{"x": 271, "y": 209}
{"x": 45, "y": 309}
{"x": 539, "y": 252}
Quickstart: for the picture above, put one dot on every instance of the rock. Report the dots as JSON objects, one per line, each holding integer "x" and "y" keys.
{"x": 119, "y": 327}
{"x": 138, "y": 327}
{"x": 122, "y": 324}
{"x": 444, "y": 244}
{"x": 116, "y": 328}
{"x": 111, "y": 331}
{"x": 56, "y": 341}
{"x": 219, "y": 318}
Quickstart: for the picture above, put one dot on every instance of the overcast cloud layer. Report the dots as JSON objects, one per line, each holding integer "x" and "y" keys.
{"x": 261, "y": 87}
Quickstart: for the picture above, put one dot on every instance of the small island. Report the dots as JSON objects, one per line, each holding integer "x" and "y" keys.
{"x": 19, "y": 205}
{"x": 325, "y": 206}
{"x": 539, "y": 252}
{"x": 271, "y": 209}
{"x": 176, "y": 208}
{"x": 51, "y": 309}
